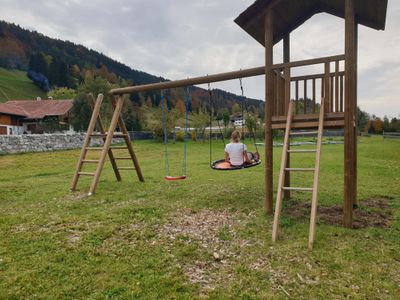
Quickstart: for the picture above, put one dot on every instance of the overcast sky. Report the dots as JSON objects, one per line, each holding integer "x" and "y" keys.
{"x": 177, "y": 39}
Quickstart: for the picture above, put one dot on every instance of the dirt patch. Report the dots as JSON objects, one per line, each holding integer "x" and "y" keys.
{"x": 214, "y": 232}
{"x": 373, "y": 212}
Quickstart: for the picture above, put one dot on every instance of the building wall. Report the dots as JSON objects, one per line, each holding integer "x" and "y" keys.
{"x": 10, "y": 125}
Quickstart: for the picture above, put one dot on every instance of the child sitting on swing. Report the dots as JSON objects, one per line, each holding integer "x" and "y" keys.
{"x": 236, "y": 152}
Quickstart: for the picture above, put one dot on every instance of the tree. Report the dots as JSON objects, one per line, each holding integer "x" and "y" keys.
{"x": 200, "y": 121}
{"x": 378, "y": 125}
{"x": 62, "y": 93}
{"x": 81, "y": 111}
{"x": 236, "y": 108}
{"x": 386, "y": 124}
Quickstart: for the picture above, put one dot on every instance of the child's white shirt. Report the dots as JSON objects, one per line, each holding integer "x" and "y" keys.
{"x": 235, "y": 151}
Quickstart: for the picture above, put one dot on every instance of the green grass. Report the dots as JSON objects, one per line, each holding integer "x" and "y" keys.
{"x": 15, "y": 85}
{"x": 206, "y": 236}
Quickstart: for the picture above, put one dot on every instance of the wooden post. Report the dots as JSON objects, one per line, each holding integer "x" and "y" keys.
{"x": 350, "y": 108}
{"x": 269, "y": 82}
{"x": 327, "y": 91}
{"x": 355, "y": 114}
{"x": 286, "y": 59}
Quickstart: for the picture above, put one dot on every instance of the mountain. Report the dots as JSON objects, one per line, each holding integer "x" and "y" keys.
{"x": 64, "y": 63}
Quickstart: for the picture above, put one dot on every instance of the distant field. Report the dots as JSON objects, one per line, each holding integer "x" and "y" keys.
{"x": 206, "y": 237}
{"x": 15, "y": 85}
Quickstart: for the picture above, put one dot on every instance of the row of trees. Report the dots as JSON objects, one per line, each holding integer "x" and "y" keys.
{"x": 373, "y": 124}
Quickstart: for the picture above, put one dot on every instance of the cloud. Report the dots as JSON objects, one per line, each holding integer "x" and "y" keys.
{"x": 179, "y": 39}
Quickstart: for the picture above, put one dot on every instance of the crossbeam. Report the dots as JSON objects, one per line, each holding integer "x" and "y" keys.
{"x": 190, "y": 81}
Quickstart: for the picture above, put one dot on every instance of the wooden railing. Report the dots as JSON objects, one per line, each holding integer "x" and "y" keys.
{"x": 308, "y": 90}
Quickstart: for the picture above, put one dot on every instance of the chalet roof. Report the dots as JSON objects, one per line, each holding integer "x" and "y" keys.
{"x": 33, "y": 109}
{"x": 290, "y": 14}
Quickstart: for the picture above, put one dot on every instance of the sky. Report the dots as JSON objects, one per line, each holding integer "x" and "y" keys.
{"x": 177, "y": 39}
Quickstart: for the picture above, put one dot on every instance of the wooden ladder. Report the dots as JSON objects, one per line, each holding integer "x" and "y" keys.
{"x": 285, "y": 153}
{"x": 106, "y": 149}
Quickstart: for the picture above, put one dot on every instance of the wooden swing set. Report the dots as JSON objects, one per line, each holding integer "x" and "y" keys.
{"x": 333, "y": 93}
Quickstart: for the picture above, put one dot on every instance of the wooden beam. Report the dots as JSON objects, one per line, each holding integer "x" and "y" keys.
{"x": 219, "y": 77}
{"x": 286, "y": 59}
{"x": 349, "y": 128}
{"x": 269, "y": 81}
{"x": 309, "y": 62}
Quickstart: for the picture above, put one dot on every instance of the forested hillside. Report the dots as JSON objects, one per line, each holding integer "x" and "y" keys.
{"x": 55, "y": 63}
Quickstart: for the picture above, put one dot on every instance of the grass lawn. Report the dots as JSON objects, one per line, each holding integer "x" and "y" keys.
{"x": 15, "y": 85}
{"x": 206, "y": 236}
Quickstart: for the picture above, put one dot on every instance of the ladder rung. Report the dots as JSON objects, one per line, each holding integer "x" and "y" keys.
{"x": 94, "y": 148}
{"x": 303, "y": 132}
{"x": 303, "y": 151}
{"x": 115, "y": 135}
{"x": 286, "y": 188}
{"x": 300, "y": 169}
{"x": 123, "y": 158}
{"x": 85, "y": 173}
{"x": 98, "y": 135}
{"x": 126, "y": 168}
{"x": 119, "y": 147}
{"x": 90, "y": 161}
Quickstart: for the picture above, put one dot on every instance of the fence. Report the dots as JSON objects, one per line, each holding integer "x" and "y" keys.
{"x": 391, "y": 135}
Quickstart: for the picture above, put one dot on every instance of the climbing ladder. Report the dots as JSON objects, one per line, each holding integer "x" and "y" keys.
{"x": 285, "y": 153}
{"x": 107, "y": 148}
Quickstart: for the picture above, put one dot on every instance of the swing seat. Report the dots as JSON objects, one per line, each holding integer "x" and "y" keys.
{"x": 222, "y": 165}
{"x": 171, "y": 178}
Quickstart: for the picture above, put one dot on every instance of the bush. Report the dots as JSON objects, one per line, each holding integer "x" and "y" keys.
{"x": 193, "y": 135}
{"x": 180, "y": 136}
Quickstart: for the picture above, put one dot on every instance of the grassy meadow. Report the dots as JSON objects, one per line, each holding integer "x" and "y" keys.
{"x": 15, "y": 85}
{"x": 203, "y": 237}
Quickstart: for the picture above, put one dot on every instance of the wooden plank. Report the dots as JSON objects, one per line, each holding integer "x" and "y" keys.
{"x": 305, "y": 96}
{"x": 222, "y": 76}
{"x": 300, "y": 169}
{"x": 86, "y": 142}
{"x": 303, "y": 132}
{"x": 90, "y": 161}
{"x": 85, "y": 174}
{"x": 314, "y": 96}
{"x": 327, "y": 90}
{"x": 286, "y": 59}
{"x": 309, "y": 62}
{"x": 313, "y": 76}
{"x": 331, "y": 95}
{"x": 308, "y": 124}
{"x": 341, "y": 109}
{"x": 269, "y": 43}
{"x": 300, "y": 189}
{"x": 302, "y": 151}
{"x": 349, "y": 129}
{"x": 314, "y": 200}
{"x": 287, "y": 89}
{"x": 336, "y": 86}
{"x": 278, "y": 205}
{"x": 126, "y": 168}
{"x": 297, "y": 96}
{"x": 328, "y": 116}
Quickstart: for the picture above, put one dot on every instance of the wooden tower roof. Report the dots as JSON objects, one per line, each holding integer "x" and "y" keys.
{"x": 290, "y": 14}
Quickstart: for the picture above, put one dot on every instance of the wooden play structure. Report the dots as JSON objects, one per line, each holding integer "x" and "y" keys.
{"x": 326, "y": 99}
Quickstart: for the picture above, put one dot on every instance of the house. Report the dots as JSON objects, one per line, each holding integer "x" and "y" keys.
{"x": 238, "y": 120}
{"x": 31, "y": 116}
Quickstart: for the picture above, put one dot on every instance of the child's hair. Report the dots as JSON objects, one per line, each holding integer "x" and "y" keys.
{"x": 235, "y": 137}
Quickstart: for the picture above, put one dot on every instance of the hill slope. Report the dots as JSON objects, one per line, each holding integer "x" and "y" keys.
{"x": 67, "y": 64}
{"x": 15, "y": 85}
